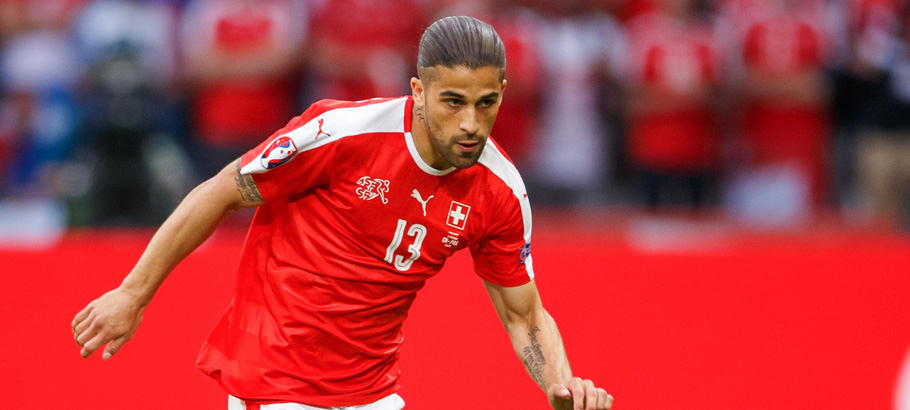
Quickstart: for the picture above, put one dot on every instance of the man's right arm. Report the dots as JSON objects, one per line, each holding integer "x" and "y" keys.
{"x": 113, "y": 318}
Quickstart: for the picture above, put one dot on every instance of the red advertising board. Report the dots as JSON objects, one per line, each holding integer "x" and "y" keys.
{"x": 664, "y": 318}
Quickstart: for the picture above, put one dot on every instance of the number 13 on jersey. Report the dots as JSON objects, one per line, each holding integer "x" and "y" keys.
{"x": 418, "y": 231}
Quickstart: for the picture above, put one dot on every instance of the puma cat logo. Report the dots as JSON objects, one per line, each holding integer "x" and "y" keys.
{"x": 420, "y": 199}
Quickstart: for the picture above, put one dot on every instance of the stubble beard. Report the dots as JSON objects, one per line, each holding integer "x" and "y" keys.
{"x": 460, "y": 160}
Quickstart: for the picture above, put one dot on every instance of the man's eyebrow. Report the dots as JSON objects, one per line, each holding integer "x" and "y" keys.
{"x": 451, "y": 94}
{"x": 493, "y": 94}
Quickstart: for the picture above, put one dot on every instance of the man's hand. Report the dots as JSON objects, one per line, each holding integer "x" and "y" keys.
{"x": 578, "y": 394}
{"x": 111, "y": 319}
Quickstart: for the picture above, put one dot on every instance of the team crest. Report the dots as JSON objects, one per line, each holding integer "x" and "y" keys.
{"x": 372, "y": 188}
{"x": 280, "y": 151}
{"x": 458, "y": 215}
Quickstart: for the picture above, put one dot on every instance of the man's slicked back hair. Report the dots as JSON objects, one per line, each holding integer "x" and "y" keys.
{"x": 460, "y": 40}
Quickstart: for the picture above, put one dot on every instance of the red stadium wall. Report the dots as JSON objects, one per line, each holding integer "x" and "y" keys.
{"x": 662, "y": 317}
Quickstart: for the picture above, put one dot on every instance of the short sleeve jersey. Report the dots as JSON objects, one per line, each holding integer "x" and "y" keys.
{"x": 353, "y": 224}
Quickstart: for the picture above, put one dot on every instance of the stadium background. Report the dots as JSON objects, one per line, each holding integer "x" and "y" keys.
{"x": 773, "y": 294}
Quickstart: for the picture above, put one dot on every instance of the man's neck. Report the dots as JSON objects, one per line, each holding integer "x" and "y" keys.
{"x": 422, "y": 137}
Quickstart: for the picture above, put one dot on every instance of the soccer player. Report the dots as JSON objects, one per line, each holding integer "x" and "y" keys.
{"x": 358, "y": 204}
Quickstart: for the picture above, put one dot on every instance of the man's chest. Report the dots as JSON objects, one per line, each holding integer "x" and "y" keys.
{"x": 403, "y": 215}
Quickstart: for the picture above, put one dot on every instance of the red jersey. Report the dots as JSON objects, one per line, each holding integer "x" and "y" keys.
{"x": 354, "y": 222}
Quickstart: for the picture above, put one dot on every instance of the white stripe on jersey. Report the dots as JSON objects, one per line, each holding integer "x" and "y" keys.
{"x": 497, "y": 163}
{"x": 387, "y": 116}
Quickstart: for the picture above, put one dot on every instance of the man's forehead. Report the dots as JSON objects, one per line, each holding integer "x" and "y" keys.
{"x": 462, "y": 79}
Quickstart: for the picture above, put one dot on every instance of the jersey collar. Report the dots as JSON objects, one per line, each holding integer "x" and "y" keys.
{"x": 412, "y": 148}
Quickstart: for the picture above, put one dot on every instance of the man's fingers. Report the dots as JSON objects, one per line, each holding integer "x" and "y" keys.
{"x": 604, "y": 400}
{"x": 94, "y": 344}
{"x": 88, "y": 332}
{"x": 80, "y": 317}
{"x": 590, "y": 395}
{"x": 89, "y": 347}
{"x": 578, "y": 394}
{"x": 582, "y": 394}
{"x": 82, "y": 326}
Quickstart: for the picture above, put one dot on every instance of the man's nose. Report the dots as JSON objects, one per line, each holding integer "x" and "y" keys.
{"x": 469, "y": 124}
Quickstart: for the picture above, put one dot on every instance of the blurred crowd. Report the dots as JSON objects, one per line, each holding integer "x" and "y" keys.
{"x": 770, "y": 111}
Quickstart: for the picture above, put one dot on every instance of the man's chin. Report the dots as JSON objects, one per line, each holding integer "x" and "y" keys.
{"x": 462, "y": 162}
{"x": 464, "y": 165}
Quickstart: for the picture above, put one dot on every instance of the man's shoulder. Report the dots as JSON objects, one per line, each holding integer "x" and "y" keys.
{"x": 500, "y": 167}
{"x": 354, "y": 108}
{"x": 330, "y": 120}
{"x": 337, "y": 117}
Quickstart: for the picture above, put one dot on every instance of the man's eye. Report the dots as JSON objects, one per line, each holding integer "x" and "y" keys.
{"x": 487, "y": 103}
{"x": 453, "y": 103}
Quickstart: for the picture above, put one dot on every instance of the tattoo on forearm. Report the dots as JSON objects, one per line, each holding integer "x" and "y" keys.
{"x": 534, "y": 360}
{"x": 247, "y": 187}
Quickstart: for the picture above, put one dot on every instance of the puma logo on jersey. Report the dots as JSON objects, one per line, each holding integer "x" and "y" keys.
{"x": 423, "y": 202}
{"x": 321, "y": 132}
{"x": 372, "y": 188}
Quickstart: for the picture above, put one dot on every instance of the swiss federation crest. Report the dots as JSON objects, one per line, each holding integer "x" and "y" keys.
{"x": 280, "y": 151}
{"x": 372, "y": 188}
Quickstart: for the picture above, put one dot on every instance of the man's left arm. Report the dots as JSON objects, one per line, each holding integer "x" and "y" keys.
{"x": 538, "y": 344}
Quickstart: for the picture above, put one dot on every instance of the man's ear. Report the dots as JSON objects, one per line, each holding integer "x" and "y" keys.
{"x": 417, "y": 90}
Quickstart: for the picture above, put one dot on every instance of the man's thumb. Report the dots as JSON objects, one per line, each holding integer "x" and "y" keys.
{"x": 113, "y": 347}
{"x": 560, "y": 390}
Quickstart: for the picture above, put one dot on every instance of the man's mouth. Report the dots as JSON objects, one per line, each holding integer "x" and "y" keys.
{"x": 467, "y": 146}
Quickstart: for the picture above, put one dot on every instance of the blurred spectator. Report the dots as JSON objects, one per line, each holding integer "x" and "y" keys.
{"x": 634, "y": 8}
{"x": 673, "y": 74}
{"x": 363, "y": 48}
{"x": 876, "y": 97}
{"x": 597, "y": 88}
{"x": 516, "y": 123}
{"x": 242, "y": 60}
{"x": 133, "y": 112}
{"x": 780, "y": 169}
{"x": 39, "y": 70}
{"x": 576, "y": 42}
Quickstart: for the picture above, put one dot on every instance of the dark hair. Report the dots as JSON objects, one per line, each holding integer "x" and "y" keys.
{"x": 460, "y": 40}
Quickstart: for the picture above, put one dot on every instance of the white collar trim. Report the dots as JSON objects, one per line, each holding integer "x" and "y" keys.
{"x": 412, "y": 148}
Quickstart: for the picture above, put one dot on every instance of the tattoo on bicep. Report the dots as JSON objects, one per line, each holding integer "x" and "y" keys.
{"x": 247, "y": 187}
{"x": 533, "y": 359}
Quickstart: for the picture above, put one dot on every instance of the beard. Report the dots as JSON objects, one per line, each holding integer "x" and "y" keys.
{"x": 448, "y": 148}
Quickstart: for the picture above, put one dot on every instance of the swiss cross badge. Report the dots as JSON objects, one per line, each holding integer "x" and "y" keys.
{"x": 458, "y": 215}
